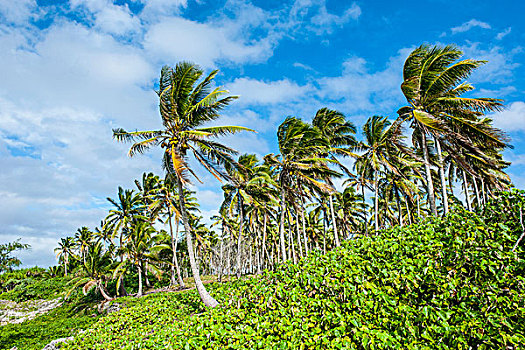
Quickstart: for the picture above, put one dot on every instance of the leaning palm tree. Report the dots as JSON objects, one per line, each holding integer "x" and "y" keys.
{"x": 298, "y": 165}
{"x": 96, "y": 266}
{"x": 186, "y": 106}
{"x": 433, "y": 84}
{"x": 339, "y": 133}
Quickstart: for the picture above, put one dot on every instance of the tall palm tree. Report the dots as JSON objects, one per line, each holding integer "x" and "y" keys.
{"x": 299, "y": 164}
{"x": 382, "y": 145}
{"x": 83, "y": 239}
{"x": 186, "y": 105}
{"x": 433, "y": 84}
{"x": 339, "y": 133}
{"x": 65, "y": 250}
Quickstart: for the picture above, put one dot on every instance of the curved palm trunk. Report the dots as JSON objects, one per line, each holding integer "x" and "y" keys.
{"x": 102, "y": 291}
{"x": 281, "y": 226}
{"x": 430, "y": 184}
{"x": 334, "y": 222}
{"x": 442, "y": 177}
{"x": 206, "y": 298}
{"x": 65, "y": 266}
{"x": 239, "y": 238}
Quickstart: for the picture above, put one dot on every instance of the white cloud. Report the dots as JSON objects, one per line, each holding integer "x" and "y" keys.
{"x": 504, "y": 33}
{"x": 319, "y": 19}
{"x": 18, "y": 12}
{"x": 469, "y": 25}
{"x": 358, "y": 89}
{"x": 254, "y": 91}
{"x": 512, "y": 118}
{"x": 176, "y": 39}
{"x": 500, "y": 65}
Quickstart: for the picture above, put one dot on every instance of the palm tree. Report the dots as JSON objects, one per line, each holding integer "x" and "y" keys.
{"x": 83, "y": 239}
{"x": 433, "y": 84}
{"x": 382, "y": 145}
{"x": 97, "y": 266}
{"x": 186, "y": 105}
{"x": 127, "y": 208}
{"x": 140, "y": 248}
{"x": 339, "y": 133}
{"x": 299, "y": 164}
{"x": 65, "y": 250}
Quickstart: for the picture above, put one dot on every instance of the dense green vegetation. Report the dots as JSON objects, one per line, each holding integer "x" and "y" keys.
{"x": 450, "y": 282}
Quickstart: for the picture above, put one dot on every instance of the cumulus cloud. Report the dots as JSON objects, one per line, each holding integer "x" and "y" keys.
{"x": 358, "y": 89}
{"x": 469, "y": 25}
{"x": 512, "y": 118}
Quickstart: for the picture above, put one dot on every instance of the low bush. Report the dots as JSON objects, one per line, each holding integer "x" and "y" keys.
{"x": 61, "y": 322}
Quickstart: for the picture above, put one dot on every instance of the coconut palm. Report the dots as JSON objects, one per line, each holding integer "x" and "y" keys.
{"x": 186, "y": 105}
{"x": 65, "y": 250}
{"x": 83, "y": 239}
{"x": 433, "y": 84}
{"x": 97, "y": 269}
{"x": 140, "y": 248}
{"x": 299, "y": 164}
{"x": 339, "y": 133}
{"x": 381, "y": 148}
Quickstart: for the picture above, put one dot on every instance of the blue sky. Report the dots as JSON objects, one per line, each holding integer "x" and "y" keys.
{"x": 73, "y": 70}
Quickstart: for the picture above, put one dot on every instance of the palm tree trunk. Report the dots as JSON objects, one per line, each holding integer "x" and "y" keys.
{"x": 281, "y": 226}
{"x": 334, "y": 222}
{"x": 483, "y": 192}
{"x": 65, "y": 266}
{"x": 206, "y": 298}
{"x": 442, "y": 176}
{"x": 325, "y": 219}
{"x": 239, "y": 238}
{"x": 264, "y": 250}
{"x": 467, "y": 195}
{"x": 376, "y": 202}
{"x": 219, "y": 273}
{"x": 175, "y": 268}
{"x": 102, "y": 291}
{"x": 298, "y": 227}
{"x": 305, "y": 238}
{"x": 408, "y": 211}
{"x": 430, "y": 184}
{"x": 364, "y": 209}
{"x": 291, "y": 244}
{"x": 139, "y": 294}
{"x": 478, "y": 203}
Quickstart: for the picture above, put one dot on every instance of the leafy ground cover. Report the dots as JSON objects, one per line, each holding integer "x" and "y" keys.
{"x": 446, "y": 283}
{"x": 61, "y": 322}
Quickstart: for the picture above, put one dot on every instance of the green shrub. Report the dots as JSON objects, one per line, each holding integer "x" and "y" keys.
{"x": 61, "y": 322}
{"x": 445, "y": 283}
